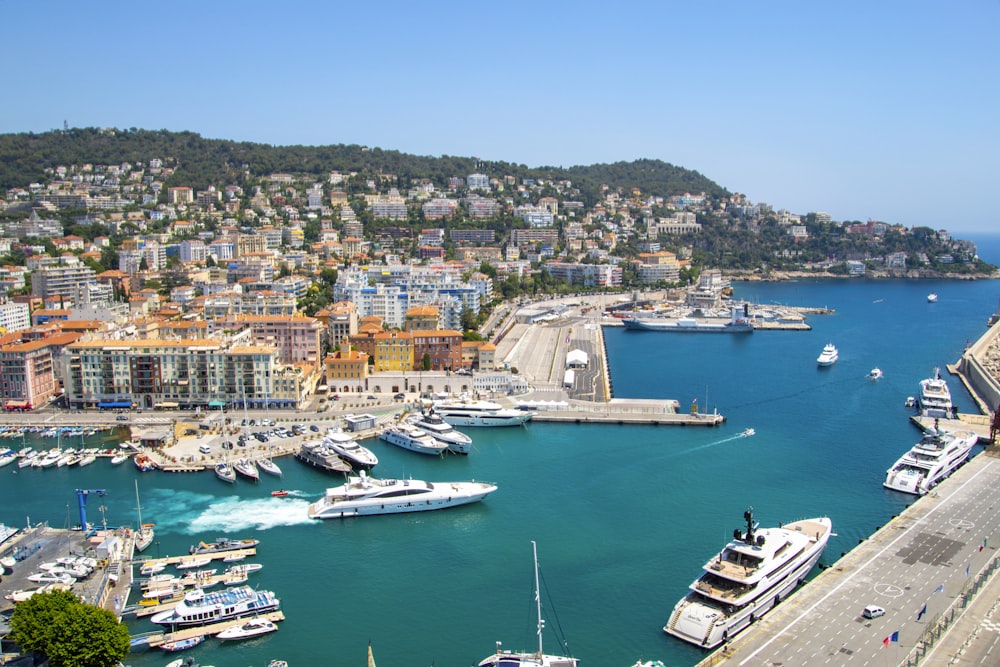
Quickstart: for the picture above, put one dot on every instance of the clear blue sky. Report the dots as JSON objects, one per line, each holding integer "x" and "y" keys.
{"x": 881, "y": 110}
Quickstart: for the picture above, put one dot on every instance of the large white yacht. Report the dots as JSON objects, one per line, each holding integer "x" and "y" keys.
{"x": 365, "y": 495}
{"x": 756, "y": 570}
{"x": 929, "y": 461}
{"x": 412, "y": 438}
{"x": 934, "y": 399}
{"x": 201, "y": 608}
{"x": 466, "y": 412}
{"x": 349, "y": 449}
{"x": 431, "y": 422}
{"x": 829, "y": 355}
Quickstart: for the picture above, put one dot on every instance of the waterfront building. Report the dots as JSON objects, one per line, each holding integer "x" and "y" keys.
{"x": 443, "y": 348}
{"x": 393, "y": 351}
{"x": 295, "y": 337}
{"x": 346, "y": 370}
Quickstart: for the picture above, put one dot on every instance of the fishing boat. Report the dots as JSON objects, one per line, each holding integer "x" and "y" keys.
{"x": 251, "y": 628}
{"x": 144, "y": 536}
{"x": 537, "y": 658}
{"x": 755, "y": 571}
{"x": 183, "y": 644}
{"x": 364, "y": 495}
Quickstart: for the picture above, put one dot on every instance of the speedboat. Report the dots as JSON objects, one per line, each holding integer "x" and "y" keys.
{"x": 349, "y": 449}
{"x": 755, "y": 571}
{"x": 365, "y": 495}
{"x": 248, "y": 469}
{"x": 120, "y": 458}
{"x": 251, "y": 628}
{"x": 322, "y": 456}
{"x": 929, "y": 461}
{"x": 151, "y": 568}
{"x": 223, "y": 544}
{"x": 934, "y": 399}
{"x": 875, "y": 373}
{"x": 932, "y": 298}
{"x": 432, "y": 423}
{"x": 225, "y": 472}
{"x": 193, "y": 562}
{"x": 201, "y": 608}
{"x": 537, "y": 658}
{"x": 280, "y": 493}
{"x": 412, "y": 438}
{"x": 829, "y": 355}
{"x": 465, "y": 412}
{"x": 747, "y": 432}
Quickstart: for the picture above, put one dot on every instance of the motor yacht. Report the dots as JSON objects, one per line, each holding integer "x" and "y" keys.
{"x": 829, "y": 355}
{"x": 251, "y": 628}
{"x": 431, "y": 422}
{"x": 365, "y": 495}
{"x": 467, "y": 412}
{"x": 412, "y": 438}
{"x": 322, "y": 456}
{"x": 757, "y": 569}
{"x": 347, "y": 448}
{"x": 934, "y": 398}
{"x": 929, "y": 461}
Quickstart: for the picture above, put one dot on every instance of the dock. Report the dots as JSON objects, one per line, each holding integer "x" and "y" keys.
{"x": 155, "y": 639}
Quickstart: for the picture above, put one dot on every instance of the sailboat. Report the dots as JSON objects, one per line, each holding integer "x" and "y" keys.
{"x": 536, "y": 659}
{"x": 143, "y": 536}
{"x": 225, "y": 472}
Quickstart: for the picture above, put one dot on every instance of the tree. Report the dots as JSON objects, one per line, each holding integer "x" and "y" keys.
{"x": 67, "y": 631}
{"x": 425, "y": 364}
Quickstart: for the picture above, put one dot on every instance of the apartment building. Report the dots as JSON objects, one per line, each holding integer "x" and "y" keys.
{"x": 296, "y": 338}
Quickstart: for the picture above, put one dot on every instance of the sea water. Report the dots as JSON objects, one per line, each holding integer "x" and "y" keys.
{"x": 624, "y": 516}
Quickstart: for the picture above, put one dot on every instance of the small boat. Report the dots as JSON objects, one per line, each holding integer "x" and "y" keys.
{"x": 251, "y": 628}
{"x": 144, "y": 463}
{"x": 910, "y": 402}
{"x": 8, "y": 562}
{"x": 829, "y": 355}
{"x": 248, "y": 469}
{"x": 279, "y": 663}
{"x": 87, "y": 459}
{"x": 120, "y": 458}
{"x": 152, "y": 568}
{"x": 875, "y": 373}
{"x": 183, "y": 644}
{"x": 747, "y": 432}
{"x": 225, "y": 472}
{"x": 280, "y": 493}
{"x": 192, "y": 563}
{"x": 932, "y": 298}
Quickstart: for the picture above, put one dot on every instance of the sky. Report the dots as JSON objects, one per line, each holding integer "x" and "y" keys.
{"x": 881, "y": 110}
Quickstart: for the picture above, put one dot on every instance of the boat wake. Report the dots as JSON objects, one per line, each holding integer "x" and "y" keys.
{"x": 738, "y": 436}
{"x": 192, "y": 513}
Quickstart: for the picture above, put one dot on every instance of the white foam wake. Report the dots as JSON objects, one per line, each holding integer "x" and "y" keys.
{"x": 199, "y": 513}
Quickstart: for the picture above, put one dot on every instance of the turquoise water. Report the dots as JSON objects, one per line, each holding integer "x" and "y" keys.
{"x": 624, "y": 516}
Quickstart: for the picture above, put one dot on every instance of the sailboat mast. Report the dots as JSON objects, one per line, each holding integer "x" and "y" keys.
{"x": 138, "y": 507}
{"x": 538, "y": 598}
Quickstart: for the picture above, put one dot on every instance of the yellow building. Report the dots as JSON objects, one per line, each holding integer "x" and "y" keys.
{"x": 393, "y": 351}
{"x": 346, "y": 370}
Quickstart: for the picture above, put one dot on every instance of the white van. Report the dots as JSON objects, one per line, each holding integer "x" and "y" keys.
{"x": 205, "y": 449}
{"x": 871, "y": 611}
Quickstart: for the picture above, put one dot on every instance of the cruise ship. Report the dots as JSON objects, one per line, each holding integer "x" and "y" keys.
{"x": 929, "y": 461}
{"x": 467, "y": 412}
{"x": 753, "y": 573}
{"x": 934, "y": 399}
{"x": 365, "y": 495}
{"x": 201, "y": 608}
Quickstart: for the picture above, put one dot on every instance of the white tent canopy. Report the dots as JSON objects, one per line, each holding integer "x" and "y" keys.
{"x": 577, "y": 358}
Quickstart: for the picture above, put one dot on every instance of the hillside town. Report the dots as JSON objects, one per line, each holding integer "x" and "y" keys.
{"x": 171, "y": 297}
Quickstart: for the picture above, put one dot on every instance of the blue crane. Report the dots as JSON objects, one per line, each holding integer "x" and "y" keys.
{"x": 81, "y": 498}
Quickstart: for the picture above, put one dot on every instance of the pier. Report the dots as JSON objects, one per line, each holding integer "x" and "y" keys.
{"x": 155, "y": 639}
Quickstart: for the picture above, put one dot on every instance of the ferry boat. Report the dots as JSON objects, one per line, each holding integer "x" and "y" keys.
{"x": 829, "y": 355}
{"x": 412, "y": 438}
{"x": 466, "y": 412}
{"x": 201, "y": 608}
{"x": 934, "y": 398}
{"x": 349, "y": 449}
{"x": 364, "y": 495}
{"x": 321, "y": 456}
{"x": 430, "y": 422}
{"x": 755, "y": 571}
{"x": 929, "y": 461}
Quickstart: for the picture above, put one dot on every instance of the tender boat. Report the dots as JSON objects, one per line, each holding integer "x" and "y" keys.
{"x": 183, "y": 644}
{"x": 151, "y": 568}
{"x": 934, "y": 398}
{"x": 537, "y": 658}
{"x": 192, "y": 563}
{"x": 223, "y": 544}
{"x": 252, "y": 628}
{"x": 412, "y": 438}
{"x": 200, "y": 608}
{"x": 120, "y": 458}
{"x": 225, "y": 472}
{"x": 365, "y": 495}
{"x": 321, "y": 456}
{"x": 829, "y": 355}
{"x": 465, "y": 412}
{"x": 875, "y": 373}
{"x": 753, "y": 573}
{"x": 349, "y": 449}
{"x": 248, "y": 469}
{"x": 280, "y": 493}
{"x": 929, "y": 461}
{"x": 432, "y": 423}
{"x": 144, "y": 463}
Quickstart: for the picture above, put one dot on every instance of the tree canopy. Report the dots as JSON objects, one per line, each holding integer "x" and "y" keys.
{"x": 69, "y": 632}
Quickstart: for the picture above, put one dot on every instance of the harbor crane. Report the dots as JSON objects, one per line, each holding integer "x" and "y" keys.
{"x": 81, "y": 498}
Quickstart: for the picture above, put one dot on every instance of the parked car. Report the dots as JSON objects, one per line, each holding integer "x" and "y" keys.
{"x": 400, "y": 396}
{"x": 205, "y": 449}
{"x": 873, "y": 611}
{"x": 314, "y": 428}
{"x": 122, "y": 418}
{"x": 372, "y": 398}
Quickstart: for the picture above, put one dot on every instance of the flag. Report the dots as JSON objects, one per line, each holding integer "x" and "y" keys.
{"x": 923, "y": 610}
{"x": 894, "y": 636}
{"x": 885, "y": 642}
{"x": 939, "y": 589}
